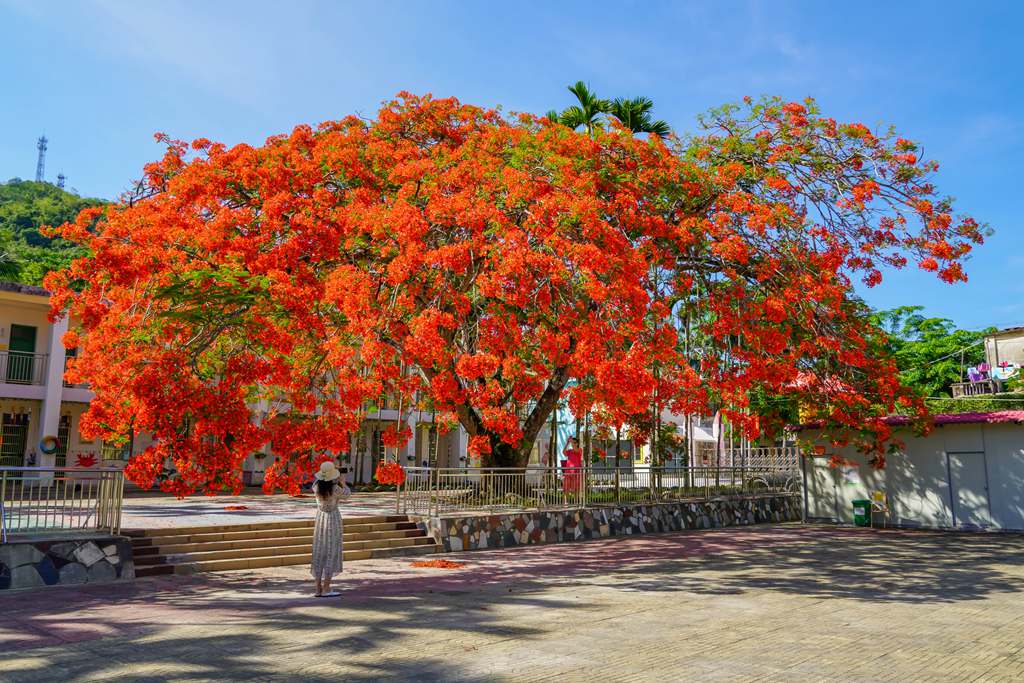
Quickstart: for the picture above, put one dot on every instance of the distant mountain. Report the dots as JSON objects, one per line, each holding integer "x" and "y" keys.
{"x": 25, "y": 206}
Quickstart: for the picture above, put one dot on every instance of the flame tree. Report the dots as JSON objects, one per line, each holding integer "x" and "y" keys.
{"x": 487, "y": 267}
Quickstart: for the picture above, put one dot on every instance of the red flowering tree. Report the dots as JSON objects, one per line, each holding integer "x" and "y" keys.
{"x": 487, "y": 267}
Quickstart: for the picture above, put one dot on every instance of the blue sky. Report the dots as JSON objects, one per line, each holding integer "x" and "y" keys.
{"x": 99, "y": 78}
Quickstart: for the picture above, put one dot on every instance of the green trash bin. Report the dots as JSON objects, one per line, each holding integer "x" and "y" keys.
{"x": 862, "y": 512}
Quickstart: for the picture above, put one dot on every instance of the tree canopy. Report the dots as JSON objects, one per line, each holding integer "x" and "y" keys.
{"x": 487, "y": 267}
{"x": 930, "y": 353}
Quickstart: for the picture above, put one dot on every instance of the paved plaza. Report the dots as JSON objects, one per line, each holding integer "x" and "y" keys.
{"x": 161, "y": 511}
{"x": 771, "y": 603}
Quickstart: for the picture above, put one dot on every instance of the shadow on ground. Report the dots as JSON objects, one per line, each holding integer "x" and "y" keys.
{"x": 119, "y": 624}
{"x": 870, "y": 565}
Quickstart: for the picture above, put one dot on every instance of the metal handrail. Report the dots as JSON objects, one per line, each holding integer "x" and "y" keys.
{"x": 47, "y": 499}
{"x": 432, "y": 490}
{"x": 22, "y": 367}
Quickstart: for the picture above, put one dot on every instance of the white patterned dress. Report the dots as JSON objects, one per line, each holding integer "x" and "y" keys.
{"x": 327, "y": 535}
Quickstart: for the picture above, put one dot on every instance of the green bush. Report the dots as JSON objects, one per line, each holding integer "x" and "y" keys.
{"x": 977, "y": 404}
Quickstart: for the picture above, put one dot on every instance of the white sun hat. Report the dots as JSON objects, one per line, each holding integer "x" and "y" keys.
{"x": 328, "y": 472}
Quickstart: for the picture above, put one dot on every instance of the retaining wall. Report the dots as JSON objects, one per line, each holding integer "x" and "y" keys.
{"x": 91, "y": 559}
{"x": 469, "y": 531}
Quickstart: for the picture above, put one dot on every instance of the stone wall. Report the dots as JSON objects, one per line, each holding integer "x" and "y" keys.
{"x": 95, "y": 559}
{"x": 469, "y": 531}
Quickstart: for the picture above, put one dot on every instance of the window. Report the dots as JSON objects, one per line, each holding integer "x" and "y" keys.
{"x": 115, "y": 451}
{"x": 432, "y": 446}
{"x": 14, "y": 431}
{"x": 63, "y": 428}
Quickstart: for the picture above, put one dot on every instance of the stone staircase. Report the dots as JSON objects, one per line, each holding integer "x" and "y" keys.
{"x": 188, "y": 550}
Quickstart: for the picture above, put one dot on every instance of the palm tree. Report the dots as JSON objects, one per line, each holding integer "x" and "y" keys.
{"x": 635, "y": 114}
{"x": 589, "y": 110}
{"x": 10, "y": 267}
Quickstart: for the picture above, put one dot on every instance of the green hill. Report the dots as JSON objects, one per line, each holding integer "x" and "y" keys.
{"x": 24, "y": 207}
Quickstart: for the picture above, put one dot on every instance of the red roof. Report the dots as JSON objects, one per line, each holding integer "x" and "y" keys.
{"x": 997, "y": 417}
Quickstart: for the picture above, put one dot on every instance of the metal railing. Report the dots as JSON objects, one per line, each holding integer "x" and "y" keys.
{"x": 784, "y": 457}
{"x": 979, "y": 388}
{"x": 433, "y": 490}
{"x": 47, "y": 499}
{"x": 19, "y": 367}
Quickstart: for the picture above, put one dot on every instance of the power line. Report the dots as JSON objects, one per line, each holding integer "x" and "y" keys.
{"x": 961, "y": 350}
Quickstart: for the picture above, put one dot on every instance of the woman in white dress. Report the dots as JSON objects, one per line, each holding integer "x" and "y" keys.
{"x": 327, "y": 532}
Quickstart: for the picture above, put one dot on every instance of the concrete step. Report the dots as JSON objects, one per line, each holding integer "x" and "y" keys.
{"x": 357, "y": 526}
{"x": 218, "y": 528}
{"x": 255, "y": 526}
{"x": 248, "y": 546}
{"x": 304, "y": 549}
{"x": 275, "y": 542}
{"x": 202, "y": 553}
{"x": 302, "y": 558}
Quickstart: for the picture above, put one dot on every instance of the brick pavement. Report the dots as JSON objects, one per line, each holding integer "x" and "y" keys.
{"x": 772, "y": 603}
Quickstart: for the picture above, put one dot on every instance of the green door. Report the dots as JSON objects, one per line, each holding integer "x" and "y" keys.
{"x": 21, "y": 354}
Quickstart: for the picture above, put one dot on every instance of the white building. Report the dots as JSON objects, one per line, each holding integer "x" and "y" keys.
{"x": 1005, "y": 347}
{"x": 968, "y": 473}
{"x": 34, "y": 400}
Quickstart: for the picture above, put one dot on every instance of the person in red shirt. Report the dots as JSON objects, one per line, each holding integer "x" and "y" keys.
{"x": 572, "y": 464}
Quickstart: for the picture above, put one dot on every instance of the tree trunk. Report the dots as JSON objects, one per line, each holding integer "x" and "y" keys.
{"x": 502, "y": 454}
{"x": 505, "y": 455}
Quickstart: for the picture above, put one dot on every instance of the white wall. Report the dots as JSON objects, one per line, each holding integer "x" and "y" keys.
{"x": 966, "y": 476}
{"x": 30, "y": 314}
{"x": 918, "y": 485}
{"x": 1008, "y": 347}
{"x": 820, "y": 489}
{"x": 1004, "y": 453}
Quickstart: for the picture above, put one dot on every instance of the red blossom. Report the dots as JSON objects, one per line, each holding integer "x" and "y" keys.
{"x": 389, "y": 474}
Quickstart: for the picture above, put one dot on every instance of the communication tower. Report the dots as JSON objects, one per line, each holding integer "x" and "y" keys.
{"x": 41, "y": 164}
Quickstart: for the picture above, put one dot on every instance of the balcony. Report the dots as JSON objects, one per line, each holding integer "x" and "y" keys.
{"x": 19, "y": 367}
